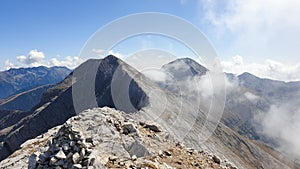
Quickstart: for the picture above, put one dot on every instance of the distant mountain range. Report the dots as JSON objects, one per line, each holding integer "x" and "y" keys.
{"x": 18, "y": 80}
{"x": 106, "y": 82}
{"x": 247, "y": 96}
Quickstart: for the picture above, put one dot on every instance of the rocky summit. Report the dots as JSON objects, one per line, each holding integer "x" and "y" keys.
{"x": 108, "y": 138}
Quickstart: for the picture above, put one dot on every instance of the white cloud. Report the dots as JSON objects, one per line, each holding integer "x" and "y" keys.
{"x": 282, "y": 124}
{"x": 271, "y": 28}
{"x": 155, "y": 74}
{"x": 269, "y": 69}
{"x": 37, "y": 58}
{"x": 22, "y": 58}
{"x": 117, "y": 54}
{"x": 34, "y": 58}
{"x": 251, "y": 97}
{"x": 99, "y": 52}
{"x": 8, "y": 64}
{"x": 69, "y": 61}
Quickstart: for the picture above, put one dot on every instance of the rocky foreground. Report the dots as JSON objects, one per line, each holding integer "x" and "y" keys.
{"x": 107, "y": 138}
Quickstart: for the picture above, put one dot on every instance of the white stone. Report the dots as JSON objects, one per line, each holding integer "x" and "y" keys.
{"x": 60, "y": 155}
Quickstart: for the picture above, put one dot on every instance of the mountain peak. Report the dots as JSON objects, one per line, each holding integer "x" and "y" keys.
{"x": 111, "y": 57}
{"x": 185, "y": 67}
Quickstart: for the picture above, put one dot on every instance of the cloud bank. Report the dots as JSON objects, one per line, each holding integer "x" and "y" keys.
{"x": 269, "y": 69}
{"x": 36, "y": 58}
{"x": 271, "y": 28}
{"x": 281, "y": 122}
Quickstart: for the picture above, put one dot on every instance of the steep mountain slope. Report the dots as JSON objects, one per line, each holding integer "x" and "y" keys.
{"x": 110, "y": 79}
{"x": 14, "y": 81}
{"x": 57, "y": 106}
{"x": 8, "y": 119}
{"x": 24, "y": 101}
{"x": 248, "y": 97}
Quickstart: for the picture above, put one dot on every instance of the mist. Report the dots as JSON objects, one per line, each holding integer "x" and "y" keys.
{"x": 282, "y": 123}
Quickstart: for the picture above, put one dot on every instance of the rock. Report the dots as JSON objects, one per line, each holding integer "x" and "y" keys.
{"x": 112, "y": 158}
{"x": 152, "y": 128}
{"x": 60, "y": 155}
{"x": 44, "y": 157}
{"x": 67, "y": 165}
{"x": 179, "y": 162}
{"x": 195, "y": 163}
{"x": 137, "y": 149}
{"x": 142, "y": 123}
{"x": 71, "y": 136}
{"x": 72, "y": 143}
{"x": 229, "y": 166}
{"x": 92, "y": 161}
{"x": 40, "y": 166}
{"x": 134, "y": 157}
{"x": 59, "y": 163}
{"x": 89, "y": 140}
{"x": 76, "y": 148}
{"x": 82, "y": 152}
{"x": 167, "y": 153}
{"x": 49, "y": 142}
{"x": 121, "y": 163}
{"x": 128, "y": 129}
{"x": 76, "y": 158}
{"x": 216, "y": 159}
{"x": 88, "y": 145}
{"x": 65, "y": 142}
{"x": 77, "y": 166}
{"x": 32, "y": 161}
{"x": 53, "y": 160}
{"x": 65, "y": 147}
{"x": 85, "y": 162}
{"x": 156, "y": 137}
{"x": 178, "y": 144}
{"x": 160, "y": 153}
{"x": 190, "y": 151}
{"x": 69, "y": 156}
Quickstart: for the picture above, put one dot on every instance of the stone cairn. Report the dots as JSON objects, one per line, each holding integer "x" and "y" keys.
{"x": 66, "y": 150}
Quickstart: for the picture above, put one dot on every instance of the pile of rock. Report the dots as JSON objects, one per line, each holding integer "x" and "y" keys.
{"x": 67, "y": 149}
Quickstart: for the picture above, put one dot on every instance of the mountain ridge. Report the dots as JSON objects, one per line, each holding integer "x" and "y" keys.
{"x": 57, "y": 105}
{"x": 17, "y": 80}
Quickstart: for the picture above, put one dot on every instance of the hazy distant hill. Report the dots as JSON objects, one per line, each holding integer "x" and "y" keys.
{"x": 14, "y": 81}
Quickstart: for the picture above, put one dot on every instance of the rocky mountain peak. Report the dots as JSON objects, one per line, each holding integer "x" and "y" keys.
{"x": 89, "y": 86}
{"x": 184, "y": 67}
{"x": 111, "y": 59}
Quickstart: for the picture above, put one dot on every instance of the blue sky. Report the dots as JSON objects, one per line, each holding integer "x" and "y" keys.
{"x": 245, "y": 33}
{"x": 62, "y": 27}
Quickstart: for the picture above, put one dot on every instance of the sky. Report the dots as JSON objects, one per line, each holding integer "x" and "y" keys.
{"x": 260, "y": 38}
